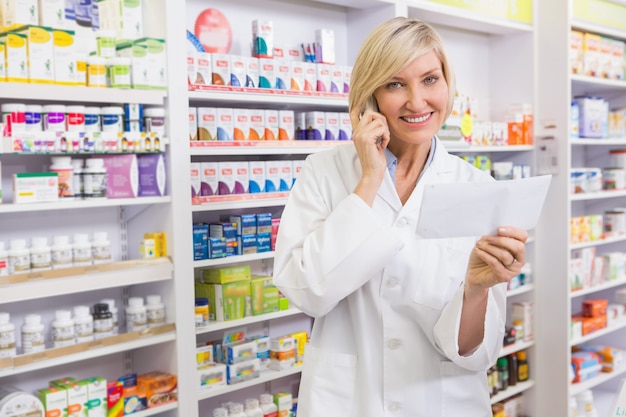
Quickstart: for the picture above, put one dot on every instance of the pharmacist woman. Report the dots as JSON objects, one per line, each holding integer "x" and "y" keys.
{"x": 404, "y": 326}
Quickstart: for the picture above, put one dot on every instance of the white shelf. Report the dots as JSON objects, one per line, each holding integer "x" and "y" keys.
{"x": 598, "y": 333}
{"x": 62, "y": 93}
{"x": 599, "y": 141}
{"x": 516, "y": 347}
{"x": 464, "y": 19}
{"x": 598, "y": 29}
{"x": 84, "y": 279}
{"x": 454, "y": 147}
{"x": 266, "y": 376}
{"x": 592, "y": 290}
{"x": 583, "y": 84}
{"x": 598, "y": 242}
{"x": 83, "y": 204}
{"x": 578, "y": 387}
{"x": 242, "y": 201}
{"x": 262, "y": 147}
{"x": 524, "y": 289}
{"x": 218, "y": 95}
{"x": 222, "y": 325}
{"x": 91, "y": 353}
{"x": 511, "y": 391}
{"x": 156, "y": 410}
{"x": 598, "y": 195}
{"x": 233, "y": 259}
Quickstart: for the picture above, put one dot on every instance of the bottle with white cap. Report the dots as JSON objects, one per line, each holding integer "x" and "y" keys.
{"x": 113, "y": 309}
{"x": 95, "y": 178}
{"x": 100, "y": 248}
{"x": 63, "y": 333}
{"x": 40, "y": 255}
{"x": 19, "y": 257}
{"x": 136, "y": 315}
{"x": 155, "y": 311}
{"x": 33, "y": 336}
{"x": 61, "y": 252}
{"x": 81, "y": 250}
{"x": 7, "y": 336}
{"x": 4, "y": 261}
{"x": 83, "y": 324}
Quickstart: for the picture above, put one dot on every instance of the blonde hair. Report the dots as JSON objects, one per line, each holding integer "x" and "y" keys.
{"x": 388, "y": 49}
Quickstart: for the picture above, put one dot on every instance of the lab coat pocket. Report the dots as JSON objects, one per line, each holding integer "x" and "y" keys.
{"x": 462, "y": 389}
{"x": 328, "y": 383}
{"x": 442, "y": 267}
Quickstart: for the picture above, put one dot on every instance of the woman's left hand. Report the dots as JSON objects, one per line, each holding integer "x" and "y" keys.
{"x": 496, "y": 258}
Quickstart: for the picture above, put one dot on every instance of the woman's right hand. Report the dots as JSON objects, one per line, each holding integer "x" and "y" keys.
{"x": 370, "y": 135}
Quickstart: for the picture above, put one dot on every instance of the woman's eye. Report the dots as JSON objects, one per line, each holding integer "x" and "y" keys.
{"x": 430, "y": 80}
{"x": 394, "y": 84}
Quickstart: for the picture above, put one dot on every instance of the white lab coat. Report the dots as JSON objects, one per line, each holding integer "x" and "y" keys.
{"x": 386, "y": 301}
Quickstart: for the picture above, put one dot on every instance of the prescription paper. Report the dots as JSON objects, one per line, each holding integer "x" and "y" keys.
{"x": 475, "y": 209}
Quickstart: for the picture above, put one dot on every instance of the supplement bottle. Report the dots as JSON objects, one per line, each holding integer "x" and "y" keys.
{"x": 522, "y": 367}
{"x": 77, "y": 178}
{"x": 236, "y": 410}
{"x": 54, "y": 118}
{"x": 136, "y": 315}
{"x": 63, "y": 329}
{"x": 92, "y": 119}
{"x": 19, "y": 257}
{"x": 14, "y": 117}
{"x": 112, "y": 119}
{"x": 40, "y": 255}
{"x": 61, "y": 252}
{"x": 81, "y": 250}
{"x": 33, "y": 335}
{"x": 33, "y": 118}
{"x": 95, "y": 178}
{"x": 154, "y": 121}
{"x": 7, "y": 336}
{"x": 118, "y": 72}
{"x": 202, "y": 312}
{"x": 111, "y": 303}
{"x": 503, "y": 373}
{"x": 102, "y": 321}
{"x": 155, "y": 311}
{"x": 585, "y": 402}
{"x": 100, "y": 248}
{"x": 96, "y": 71}
{"x": 62, "y": 165}
{"x": 4, "y": 261}
{"x": 512, "y": 369}
{"x": 75, "y": 117}
{"x": 83, "y": 324}
{"x": 220, "y": 412}
{"x": 252, "y": 408}
{"x": 267, "y": 405}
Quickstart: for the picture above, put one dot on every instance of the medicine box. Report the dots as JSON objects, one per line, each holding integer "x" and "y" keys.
{"x": 252, "y": 71}
{"x": 225, "y": 124}
{"x": 16, "y": 57}
{"x": 243, "y": 371}
{"x": 248, "y": 244}
{"x": 523, "y": 311}
{"x": 262, "y": 350}
{"x": 257, "y": 124}
{"x": 193, "y": 123}
{"x": 228, "y": 301}
{"x": 226, "y": 275}
{"x": 271, "y": 124}
{"x": 208, "y": 178}
{"x": 237, "y": 70}
{"x": 96, "y": 397}
{"x": 242, "y": 124}
{"x": 35, "y": 187}
{"x": 217, "y": 247}
{"x": 195, "y": 178}
{"x": 212, "y": 375}
{"x": 246, "y": 223}
{"x": 64, "y": 50}
{"x": 139, "y": 63}
{"x": 200, "y": 241}
{"x": 207, "y": 123}
{"x": 54, "y": 401}
{"x": 152, "y": 176}
{"x": 256, "y": 176}
{"x": 264, "y": 295}
{"x": 240, "y": 351}
{"x": 283, "y": 402}
{"x": 264, "y": 223}
{"x": 122, "y": 175}
{"x": 220, "y": 69}
{"x": 39, "y": 53}
{"x": 115, "y": 399}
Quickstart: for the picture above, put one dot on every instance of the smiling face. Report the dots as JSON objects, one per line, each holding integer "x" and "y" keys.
{"x": 415, "y": 100}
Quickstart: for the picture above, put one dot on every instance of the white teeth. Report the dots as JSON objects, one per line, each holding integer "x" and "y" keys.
{"x": 417, "y": 119}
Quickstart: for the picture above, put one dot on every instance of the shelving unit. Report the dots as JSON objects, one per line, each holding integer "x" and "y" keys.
{"x": 556, "y": 88}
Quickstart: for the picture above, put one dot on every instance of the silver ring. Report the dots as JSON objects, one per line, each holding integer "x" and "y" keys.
{"x": 512, "y": 263}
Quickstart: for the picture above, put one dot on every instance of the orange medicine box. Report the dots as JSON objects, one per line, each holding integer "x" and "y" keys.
{"x": 595, "y": 308}
{"x": 592, "y": 324}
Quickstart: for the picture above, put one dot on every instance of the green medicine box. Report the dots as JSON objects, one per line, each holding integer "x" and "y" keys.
{"x": 230, "y": 301}
{"x": 264, "y": 295}
{"x": 226, "y": 275}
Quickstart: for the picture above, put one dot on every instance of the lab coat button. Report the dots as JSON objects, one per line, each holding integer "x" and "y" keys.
{"x": 402, "y": 222}
{"x": 394, "y": 344}
{"x": 393, "y": 407}
{"x": 392, "y": 283}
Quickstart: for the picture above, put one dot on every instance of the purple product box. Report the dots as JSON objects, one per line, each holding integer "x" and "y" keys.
{"x": 208, "y": 178}
{"x": 152, "y": 176}
{"x": 122, "y": 175}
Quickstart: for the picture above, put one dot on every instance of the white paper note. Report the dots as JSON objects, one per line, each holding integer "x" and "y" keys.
{"x": 476, "y": 209}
